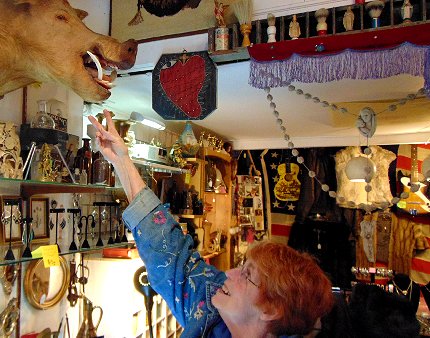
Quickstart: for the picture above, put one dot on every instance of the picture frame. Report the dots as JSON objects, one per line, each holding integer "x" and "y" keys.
{"x": 39, "y": 211}
{"x": 6, "y": 228}
{"x": 186, "y": 22}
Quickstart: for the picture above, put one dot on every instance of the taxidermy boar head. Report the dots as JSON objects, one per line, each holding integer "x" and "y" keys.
{"x": 46, "y": 41}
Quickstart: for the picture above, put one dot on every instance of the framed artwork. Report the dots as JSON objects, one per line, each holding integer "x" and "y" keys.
{"x": 189, "y": 20}
{"x": 11, "y": 211}
{"x": 184, "y": 86}
{"x": 40, "y": 214}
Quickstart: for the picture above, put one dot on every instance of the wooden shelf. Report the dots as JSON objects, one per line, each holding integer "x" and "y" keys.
{"x": 210, "y": 152}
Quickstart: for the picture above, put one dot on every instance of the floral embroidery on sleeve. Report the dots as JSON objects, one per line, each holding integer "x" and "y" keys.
{"x": 159, "y": 217}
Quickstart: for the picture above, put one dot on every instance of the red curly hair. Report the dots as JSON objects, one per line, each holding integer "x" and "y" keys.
{"x": 293, "y": 284}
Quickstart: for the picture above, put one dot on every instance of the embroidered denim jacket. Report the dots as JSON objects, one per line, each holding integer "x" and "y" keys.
{"x": 175, "y": 270}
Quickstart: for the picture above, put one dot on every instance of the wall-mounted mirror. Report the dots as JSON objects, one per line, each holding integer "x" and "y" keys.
{"x": 44, "y": 287}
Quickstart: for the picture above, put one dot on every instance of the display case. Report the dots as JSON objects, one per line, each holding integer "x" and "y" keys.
{"x": 79, "y": 285}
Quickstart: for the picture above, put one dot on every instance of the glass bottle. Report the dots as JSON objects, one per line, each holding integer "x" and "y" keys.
{"x": 101, "y": 170}
{"x": 83, "y": 159}
{"x": 42, "y": 119}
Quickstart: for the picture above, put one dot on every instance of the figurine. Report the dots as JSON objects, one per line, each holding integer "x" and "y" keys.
{"x": 294, "y": 31}
{"x": 407, "y": 10}
{"x": 348, "y": 19}
{"x": 271, "y": 29}
{"x": 219, "y": 13}
{"x": 221, "y": 31}
{"x": 321, "y": 16}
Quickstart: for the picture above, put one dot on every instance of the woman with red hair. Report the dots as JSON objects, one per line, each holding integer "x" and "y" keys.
{"x": 277, "y": 291}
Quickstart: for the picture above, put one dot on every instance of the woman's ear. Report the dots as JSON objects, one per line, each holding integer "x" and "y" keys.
{"x": 270, "y": 314}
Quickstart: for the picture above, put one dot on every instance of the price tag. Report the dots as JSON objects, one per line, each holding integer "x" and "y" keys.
{"x": 187, "y": 177}
{"x": 50, "y": 255}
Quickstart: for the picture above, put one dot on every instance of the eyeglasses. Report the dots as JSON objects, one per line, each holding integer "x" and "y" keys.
{"x": 244, "y": 273}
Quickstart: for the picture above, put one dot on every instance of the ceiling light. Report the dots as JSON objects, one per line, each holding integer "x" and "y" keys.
{"x": 153, "y": 123}
{"x": 360, "y": 169}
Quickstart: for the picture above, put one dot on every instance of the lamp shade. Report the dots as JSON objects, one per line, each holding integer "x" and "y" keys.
{"x": 360, "y": 169}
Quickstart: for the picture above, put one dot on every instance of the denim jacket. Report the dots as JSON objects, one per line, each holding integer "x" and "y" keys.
{"x": 176, "y": 271}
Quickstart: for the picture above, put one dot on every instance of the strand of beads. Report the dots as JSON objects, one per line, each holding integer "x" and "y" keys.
{"x": 291, "y": 146}
{"x": 367, "y": 151}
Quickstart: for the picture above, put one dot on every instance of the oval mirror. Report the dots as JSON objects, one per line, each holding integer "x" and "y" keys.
{"x": 44, "y": 287}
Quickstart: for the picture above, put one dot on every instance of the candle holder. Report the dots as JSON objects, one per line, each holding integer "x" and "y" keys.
{"x": 76, "y": 212}
{"x": 57, "y": 211}
{"x": 27, "y": 236}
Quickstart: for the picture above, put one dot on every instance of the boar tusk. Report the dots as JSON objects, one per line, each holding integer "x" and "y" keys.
{"x": 98, "y": 65}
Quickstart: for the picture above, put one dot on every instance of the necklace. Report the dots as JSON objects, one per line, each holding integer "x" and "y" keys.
{"x": 401, "y": 291}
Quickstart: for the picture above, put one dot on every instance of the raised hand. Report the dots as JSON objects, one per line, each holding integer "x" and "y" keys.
{"x": 110, "y": 144}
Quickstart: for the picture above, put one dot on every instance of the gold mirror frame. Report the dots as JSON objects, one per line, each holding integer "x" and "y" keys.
{"x": 32, "y": 282}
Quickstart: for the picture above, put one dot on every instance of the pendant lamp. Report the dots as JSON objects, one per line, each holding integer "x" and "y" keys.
{"x": 360, "y": 169}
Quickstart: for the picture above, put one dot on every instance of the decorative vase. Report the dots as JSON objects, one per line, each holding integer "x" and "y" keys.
{"x": 188, "y": 141}
{"x": 321, "y": 16}
{"x": 375, "y": 9}
{"x": 11, "y": 165}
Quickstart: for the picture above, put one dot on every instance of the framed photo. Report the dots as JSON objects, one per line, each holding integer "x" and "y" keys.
{"x": 39, "y": 212}
{"x": 11, "y": 211}
{"x": 154, "y": 27}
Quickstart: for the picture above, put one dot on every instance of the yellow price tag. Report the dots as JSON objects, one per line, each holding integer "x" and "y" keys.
{"x": 187, "y": 178}
{"x": 50, "y": 255}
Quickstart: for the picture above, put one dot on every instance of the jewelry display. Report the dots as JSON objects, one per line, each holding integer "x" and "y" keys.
{"x": 406, "y": 287}
{"x": 400, "y": 291}
{"x": 110, "y": 205}
{"x": 27, "y": 235}
{"x": 86, "y": 244}
{"x": 8, "y": 216}
{"x": 118, "y": 226}
{"x": 99, "y": 205}
{"x": 9, "y": 318}
{"x": 56, "y": 211}
{"x": 76, "y": 212}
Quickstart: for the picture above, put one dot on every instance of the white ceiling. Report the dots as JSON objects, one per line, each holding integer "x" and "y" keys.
{"x": 244, "y": 117}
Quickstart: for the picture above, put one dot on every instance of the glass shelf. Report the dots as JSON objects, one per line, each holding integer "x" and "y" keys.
{"x": 18, "y": 250}
{"x": 158, "y": 167}
{"x": 29, "y": 187}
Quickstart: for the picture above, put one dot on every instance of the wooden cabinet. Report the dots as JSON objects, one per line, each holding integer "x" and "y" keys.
{"x": 218, "y": 204}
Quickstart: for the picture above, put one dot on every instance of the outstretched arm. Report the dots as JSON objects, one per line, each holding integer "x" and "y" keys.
{"x": 113, "y": 148}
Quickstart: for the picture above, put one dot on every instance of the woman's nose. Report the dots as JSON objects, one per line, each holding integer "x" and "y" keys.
{"x": 233, "y": 273}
